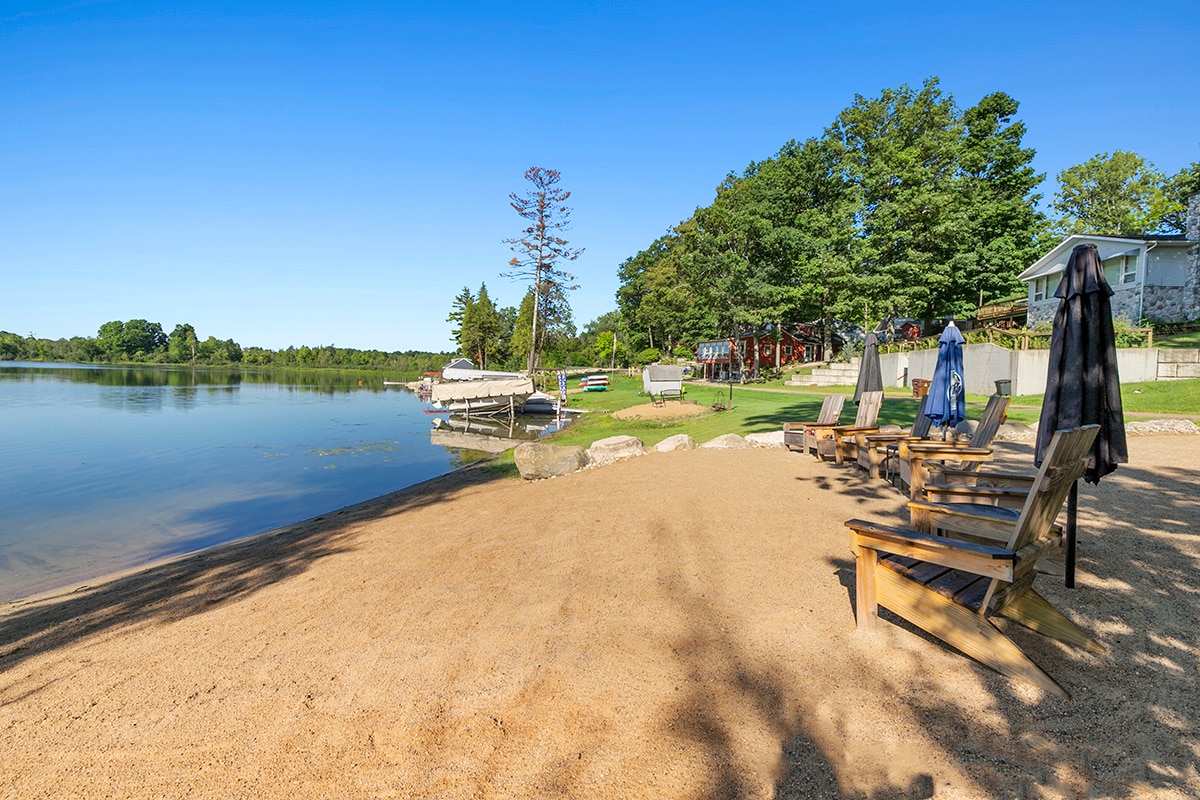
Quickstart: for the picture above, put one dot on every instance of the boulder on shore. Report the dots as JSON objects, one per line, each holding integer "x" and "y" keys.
{"x": 728, "y": 441}
{"x": 680, "y": 441}
{"x": 772, "y": 439}
{"x": 537, "y": 460}
{"x": 615, "y": 448}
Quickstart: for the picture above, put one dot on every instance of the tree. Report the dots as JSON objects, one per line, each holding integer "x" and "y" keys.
{"x": 111, "y": 338}
{"x": 482, "y": 329}
{"x": 1111, "y": 195}
{"x": 540, "y": 249}
{"x": 458, "y": 309}
{"x": 1177, "y": 190}
{"x": 182, "y": 343}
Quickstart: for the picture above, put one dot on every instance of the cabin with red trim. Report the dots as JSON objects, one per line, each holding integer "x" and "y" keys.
{"x": 753, "y": 353}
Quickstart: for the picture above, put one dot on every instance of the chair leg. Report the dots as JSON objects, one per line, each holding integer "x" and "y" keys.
{"x": 960, "y": 628}
{"x": 1035, "y": 612}
{"x": 873, "y": 462}
{"x": 866, "y": 603}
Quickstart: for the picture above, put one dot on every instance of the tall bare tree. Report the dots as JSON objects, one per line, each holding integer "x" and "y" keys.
{"x": 540, "y": 248}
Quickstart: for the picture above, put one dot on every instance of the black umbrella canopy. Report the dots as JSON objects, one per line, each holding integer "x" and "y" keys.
{"x": 870, "y": 374}
{"x": 1082, "y": 385}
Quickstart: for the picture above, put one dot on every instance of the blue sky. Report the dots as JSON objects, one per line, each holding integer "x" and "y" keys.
{"x": 334, "y": 173}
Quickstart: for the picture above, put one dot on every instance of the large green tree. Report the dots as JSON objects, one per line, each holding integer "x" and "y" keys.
{"x": 1118, "y": 194}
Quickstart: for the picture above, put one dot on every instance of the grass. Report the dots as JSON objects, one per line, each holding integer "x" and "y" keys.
{"x": 1186, "y": 340}
{"x": 763, "y": 408}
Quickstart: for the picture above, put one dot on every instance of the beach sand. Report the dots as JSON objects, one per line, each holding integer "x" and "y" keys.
{"x": 678, "y": 625}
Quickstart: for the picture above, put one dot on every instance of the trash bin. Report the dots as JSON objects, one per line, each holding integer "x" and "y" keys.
{"x": 920, "y": 387}
{"x": 1003, "y": 387}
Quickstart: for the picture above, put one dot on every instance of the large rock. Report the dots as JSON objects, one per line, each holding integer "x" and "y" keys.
{"x": 1176, "y": 426}
{"x": 615, "y": 448}
{"x": 1015, "y": 432}
{"x": 680, "y": 441}
{"x": 536, "y": 460}
{"x": 728, "y": 441}
{"x": 772, "y": 439}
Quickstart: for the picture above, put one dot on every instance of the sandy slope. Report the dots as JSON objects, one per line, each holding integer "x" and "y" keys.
{"x": 674, "y": 626}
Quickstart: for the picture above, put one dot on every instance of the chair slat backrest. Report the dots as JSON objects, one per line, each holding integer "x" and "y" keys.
{"x": 1065, "y": 462}
{"x": 868, "y": 409}
{"x": 990, "y": 421}
{"x": 921, "y": 423}
{"x": 831, "y": 409}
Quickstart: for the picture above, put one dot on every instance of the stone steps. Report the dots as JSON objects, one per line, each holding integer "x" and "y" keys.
{"x": 831, "y": 375}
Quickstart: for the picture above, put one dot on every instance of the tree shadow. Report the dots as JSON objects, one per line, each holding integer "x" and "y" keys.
{"x": 192, "y": 584}
{"x": 1132, "y": 728}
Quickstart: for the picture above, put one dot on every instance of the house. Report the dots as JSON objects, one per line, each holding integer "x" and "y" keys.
{"x": 1153, "y": 277}
{"x": 754, "y": 351}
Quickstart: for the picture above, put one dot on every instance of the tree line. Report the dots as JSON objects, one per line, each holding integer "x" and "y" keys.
{"x": 139, "y": 341}
{"x": 905, "y": 206}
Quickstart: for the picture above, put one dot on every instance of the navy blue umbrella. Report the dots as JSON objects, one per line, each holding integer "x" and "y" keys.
{"x": 946, "y": 405}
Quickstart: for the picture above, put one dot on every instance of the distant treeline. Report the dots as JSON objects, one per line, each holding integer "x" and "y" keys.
{"x": 140, "y": 342}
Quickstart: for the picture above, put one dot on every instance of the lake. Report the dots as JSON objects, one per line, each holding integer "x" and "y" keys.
{"x": 103, "y": 469}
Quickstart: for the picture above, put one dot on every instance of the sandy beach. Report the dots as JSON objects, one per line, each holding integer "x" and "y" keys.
{"x": 678, "y": 625}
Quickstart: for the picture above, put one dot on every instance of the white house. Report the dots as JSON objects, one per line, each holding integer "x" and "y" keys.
{"x": 1153, "y": 277}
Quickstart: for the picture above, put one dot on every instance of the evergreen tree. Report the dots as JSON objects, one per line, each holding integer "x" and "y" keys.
{"x": 540, "y": 249}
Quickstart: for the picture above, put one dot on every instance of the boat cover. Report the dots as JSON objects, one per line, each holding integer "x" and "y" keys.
{"x": 447, "y": 392}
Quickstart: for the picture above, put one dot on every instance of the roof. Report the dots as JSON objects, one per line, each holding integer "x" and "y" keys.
{"x": 1055, "y": 261}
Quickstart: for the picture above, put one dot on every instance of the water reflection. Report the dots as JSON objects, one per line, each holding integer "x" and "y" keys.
{"x": 104, "y": 468}
{"x": 478, "y": 437}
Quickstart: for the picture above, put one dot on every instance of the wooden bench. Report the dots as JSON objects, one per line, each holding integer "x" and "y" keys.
{"x": 665, "y": 395}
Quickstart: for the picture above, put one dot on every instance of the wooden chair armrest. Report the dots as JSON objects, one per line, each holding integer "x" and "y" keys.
{"x": 888, "y": 438}
{"x": 980, "y": 559}
{"x": 796, "y": 426}
{"x": 934, "y": 451}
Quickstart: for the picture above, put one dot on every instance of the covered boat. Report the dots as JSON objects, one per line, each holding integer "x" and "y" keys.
{"x": 488, "y": 396}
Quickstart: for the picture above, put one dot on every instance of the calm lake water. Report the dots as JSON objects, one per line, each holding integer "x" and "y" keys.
{"x": 103, "y": 469}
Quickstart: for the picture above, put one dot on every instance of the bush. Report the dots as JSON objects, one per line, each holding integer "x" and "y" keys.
{"x": 649, "y": 356}
{"x": 683, "y": 352}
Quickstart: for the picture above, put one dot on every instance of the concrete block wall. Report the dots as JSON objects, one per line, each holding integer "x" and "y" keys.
{"x": 984, "y": 364}
{"x": 1176, "y": 365}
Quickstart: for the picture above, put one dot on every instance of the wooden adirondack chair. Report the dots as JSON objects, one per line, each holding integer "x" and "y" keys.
{"x": 845, "y": 437}
{"x": 795, "y": 432}
{"x": 873, "y": 447}
{"x": 914, "y": 470}
{"x": 952, "y": 585}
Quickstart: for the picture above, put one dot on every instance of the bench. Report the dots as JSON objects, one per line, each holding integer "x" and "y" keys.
{"x": 665, "y": 395}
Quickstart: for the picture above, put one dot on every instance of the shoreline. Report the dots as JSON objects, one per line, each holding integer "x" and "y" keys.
{"x": 100, "y": 581}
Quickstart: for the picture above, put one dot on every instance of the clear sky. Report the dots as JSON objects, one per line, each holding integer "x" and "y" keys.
{"x": 288, "y": 173}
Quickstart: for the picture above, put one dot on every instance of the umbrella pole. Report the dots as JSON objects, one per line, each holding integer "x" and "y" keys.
{"x": 1072, "y": 512}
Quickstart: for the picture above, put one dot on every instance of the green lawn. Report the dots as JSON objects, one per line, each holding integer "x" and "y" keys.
{"x": 761, "y": 408}
{"x": 1185, "y": 340}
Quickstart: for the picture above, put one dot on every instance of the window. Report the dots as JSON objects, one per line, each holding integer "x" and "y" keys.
{"x": 766, "y": 349}
{"x": 1039, "y": 288}
{"x": 1129, "y": 269}
{"x": 787, "y": 350}
{"x": 1121, "y": 270}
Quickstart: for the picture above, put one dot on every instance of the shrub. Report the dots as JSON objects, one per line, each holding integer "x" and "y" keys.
{"x": 649, "y": 356}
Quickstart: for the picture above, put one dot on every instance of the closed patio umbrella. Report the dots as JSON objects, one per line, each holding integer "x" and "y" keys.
{"x": 870, "y": 375}
{"x": 946, "y": 405}
{"x": 1082, "y": 385}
